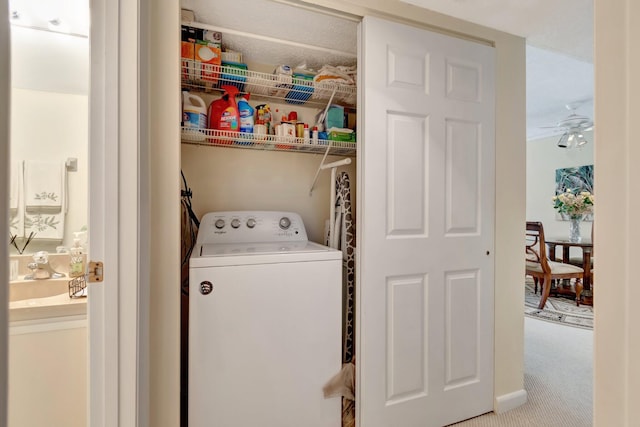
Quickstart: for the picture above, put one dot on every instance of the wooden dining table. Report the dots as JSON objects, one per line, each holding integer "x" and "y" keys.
{"x": 587, "y": 247}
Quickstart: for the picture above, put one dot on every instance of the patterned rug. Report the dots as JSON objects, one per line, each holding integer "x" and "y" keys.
{"x": 558, "y": 309}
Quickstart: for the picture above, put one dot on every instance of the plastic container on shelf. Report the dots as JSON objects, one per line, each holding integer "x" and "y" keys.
{"x": 301, "y": 89}
{"x": 224, "y": 114}
{"x": 194, "y": 111}
{"x": 246, "y": 114}
{"x": 233, "y": 74}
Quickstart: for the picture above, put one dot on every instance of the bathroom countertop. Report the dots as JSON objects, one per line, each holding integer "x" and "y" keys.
{"x": 39, "y": 299}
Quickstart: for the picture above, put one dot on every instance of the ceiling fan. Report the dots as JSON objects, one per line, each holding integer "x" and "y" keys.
{"x": 573, "y": 128}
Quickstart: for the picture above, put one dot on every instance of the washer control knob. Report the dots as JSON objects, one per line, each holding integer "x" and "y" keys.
{"x": 235, "y": 223}
{"x": 251, "y": 222}
{"x": 285, "y": 223}
{"x": 219, "y": 223}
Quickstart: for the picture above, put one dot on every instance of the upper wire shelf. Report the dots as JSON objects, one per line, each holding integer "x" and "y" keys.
{"x": 211, "y": 137}
{"x": 293, "y": 90}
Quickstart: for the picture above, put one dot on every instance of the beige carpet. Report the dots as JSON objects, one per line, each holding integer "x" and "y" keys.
{"x": 558, "y": 380}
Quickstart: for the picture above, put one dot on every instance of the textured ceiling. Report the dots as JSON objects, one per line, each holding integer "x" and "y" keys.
{"x": 338, "y": 37}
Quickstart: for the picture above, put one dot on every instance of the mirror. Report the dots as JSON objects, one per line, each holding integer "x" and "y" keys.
{"x": 49, "y": 124}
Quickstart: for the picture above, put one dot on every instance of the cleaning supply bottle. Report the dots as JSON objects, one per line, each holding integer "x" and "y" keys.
{"x": 194, "y": 111}
{"x": 224, "y": 114}
{"x": 246, "y": 114}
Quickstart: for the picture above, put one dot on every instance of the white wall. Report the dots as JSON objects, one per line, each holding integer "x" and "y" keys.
{"x": 543, "y": 158}
{"x": 54, "y": 126}
{"x": 617, "y": 154}
{"x": 49, "y": 112}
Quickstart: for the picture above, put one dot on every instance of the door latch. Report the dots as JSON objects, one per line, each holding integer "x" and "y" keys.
{"x": 96, "y": 271}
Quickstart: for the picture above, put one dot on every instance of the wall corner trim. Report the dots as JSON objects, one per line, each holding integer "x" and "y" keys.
{"x": 510, "y": 401}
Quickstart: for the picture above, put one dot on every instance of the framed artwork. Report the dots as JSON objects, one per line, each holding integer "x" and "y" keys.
{"x": 579, "y": 178}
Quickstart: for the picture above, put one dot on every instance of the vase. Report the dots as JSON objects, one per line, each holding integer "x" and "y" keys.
{"x": 574, "y": 229}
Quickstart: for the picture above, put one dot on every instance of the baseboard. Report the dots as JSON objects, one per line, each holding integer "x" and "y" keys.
{"x": 510, "y": 401}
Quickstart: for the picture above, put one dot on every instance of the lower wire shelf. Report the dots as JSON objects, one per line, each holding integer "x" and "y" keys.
{"x": 217, "y": 138}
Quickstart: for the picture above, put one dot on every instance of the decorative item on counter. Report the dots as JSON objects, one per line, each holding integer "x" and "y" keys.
{"x": 13, "y": 238}
{"x": 576, "y": 206}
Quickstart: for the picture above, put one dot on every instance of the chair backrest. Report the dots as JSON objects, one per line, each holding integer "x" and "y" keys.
{"x": 535, "y": 246}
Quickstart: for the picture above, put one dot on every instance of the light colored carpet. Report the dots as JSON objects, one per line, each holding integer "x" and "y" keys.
{"x": 558, "y": 379}
{"x": 557, "y": 309}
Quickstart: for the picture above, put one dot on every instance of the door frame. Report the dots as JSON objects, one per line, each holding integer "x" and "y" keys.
{"x": 114, "y": 216}
{"x": 5, "y": 118}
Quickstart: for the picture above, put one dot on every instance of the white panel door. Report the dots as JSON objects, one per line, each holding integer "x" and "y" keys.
{"x": 427, "y": 228}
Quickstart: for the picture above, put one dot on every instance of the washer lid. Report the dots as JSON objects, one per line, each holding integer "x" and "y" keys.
{"x": 210, "y": 255}
{"x": 260, "y": 248}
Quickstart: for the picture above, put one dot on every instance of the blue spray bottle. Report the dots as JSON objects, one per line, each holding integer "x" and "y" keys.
{"x": 246, "y": 114}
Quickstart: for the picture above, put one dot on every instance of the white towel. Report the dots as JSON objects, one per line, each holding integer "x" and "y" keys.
{"x": 16, "y": 200}
{"x": 14, "y": 186}
{"x": 44, "y": 186}
{"x": 46, "y": 219}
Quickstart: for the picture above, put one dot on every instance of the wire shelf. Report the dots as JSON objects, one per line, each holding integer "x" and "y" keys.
{"x": 297, "y": 91}
{"x": 217, "y": 138}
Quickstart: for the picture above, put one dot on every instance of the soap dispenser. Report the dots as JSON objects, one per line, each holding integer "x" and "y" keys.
{"x": 76, "y": 266}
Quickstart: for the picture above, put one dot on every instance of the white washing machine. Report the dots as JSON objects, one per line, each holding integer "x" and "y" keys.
{"x": 264, "y": 323}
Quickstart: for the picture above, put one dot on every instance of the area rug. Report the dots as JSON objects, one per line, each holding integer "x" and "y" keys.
{"x": 557, "y": 309}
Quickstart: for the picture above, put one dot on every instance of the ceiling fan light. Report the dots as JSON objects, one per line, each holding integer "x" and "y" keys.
{"x": 581, "y": 140}
{"x": 563, "y": 141}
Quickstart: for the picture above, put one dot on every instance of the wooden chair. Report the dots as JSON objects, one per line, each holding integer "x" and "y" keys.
{"x": 540, "y": 268}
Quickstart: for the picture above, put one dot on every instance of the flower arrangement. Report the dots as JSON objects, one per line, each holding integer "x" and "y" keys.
{"x": 574, "y": 205}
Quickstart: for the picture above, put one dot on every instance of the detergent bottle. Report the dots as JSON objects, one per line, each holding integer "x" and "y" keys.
{"x": 223, "y": 113}
{"x": 246, "y": 114}
{"x": 194, "y": 111}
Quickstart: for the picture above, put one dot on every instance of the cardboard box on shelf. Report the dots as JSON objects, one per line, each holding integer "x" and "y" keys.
{"x": 208, "y": 60}
{"x": 212, "y": 38}
{"x": 187, "y": 16}
{"x": 187, "y": 56}
{"x": 191, "y": 34}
